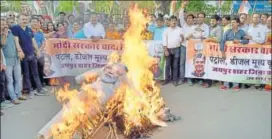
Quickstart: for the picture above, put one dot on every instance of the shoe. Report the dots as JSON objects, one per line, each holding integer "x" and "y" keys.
{"x": 200, "y": 83}
{"x": 22, "y": 98}
{"x": 15, "y": 101}
{"x": 175, "y": 83}
{"x": 267, "y": 90}
{"x": 236, "y": 88}
{"x": 42, "y": 93}
{"x": 32, "y": 94}
{"x": 165, "y": 82}
{"x": 181, "y": 82}
{"x": 260, "y": 88}
{"x": 246, "y": 86}
{"x": 5, "y": 105}
{"x": 44, "y": 89}
{"x": 223, "y": 88}
{"x": 190, "y": 83}
{"x": 206, "y": 85}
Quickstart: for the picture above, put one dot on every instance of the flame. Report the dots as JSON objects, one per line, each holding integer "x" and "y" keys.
{"x": 138, "y": 114}
{"x": 136, "y": 58}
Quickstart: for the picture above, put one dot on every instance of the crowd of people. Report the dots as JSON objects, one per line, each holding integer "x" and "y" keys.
{"x": 23, "y": 38}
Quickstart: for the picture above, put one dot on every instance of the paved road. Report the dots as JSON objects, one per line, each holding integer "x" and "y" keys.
{"x": 207, "y": 114}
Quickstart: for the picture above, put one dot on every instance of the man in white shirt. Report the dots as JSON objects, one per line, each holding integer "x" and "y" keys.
{"x": 256, "y": 31}
{"x": 188, "y": 28}
{"x": 201, "y": 31}
{"x": 93, "y": 29}
{"x": 243, "y": 26}
{"x": 172, "y": 38}
{"x": 182, "y": 15}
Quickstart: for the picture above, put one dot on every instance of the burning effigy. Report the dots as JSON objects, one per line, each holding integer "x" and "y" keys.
{"x": 121, "y": 96}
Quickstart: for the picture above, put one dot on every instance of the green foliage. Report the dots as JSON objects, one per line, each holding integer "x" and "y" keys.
{"x": 195, "y": 6}
{"x": 66, "y": 6}
{"x": 11, "y": 6}
{"x": 226, "y": 7}
{"x": 103, "y": 6}
{"x": 198, "y": 6}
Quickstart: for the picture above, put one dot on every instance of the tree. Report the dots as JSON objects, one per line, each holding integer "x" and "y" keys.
{"x": 163, "y": 6}
{"x": 226, "y": 7}
{"x": 66, "y": 6}
{"x": 11, "y": 6}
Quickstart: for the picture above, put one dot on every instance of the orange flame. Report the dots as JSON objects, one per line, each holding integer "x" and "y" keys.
{"x": 84, "y": 109}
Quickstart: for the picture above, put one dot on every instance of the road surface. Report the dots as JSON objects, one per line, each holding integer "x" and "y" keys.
{"x": 206, "y": 114}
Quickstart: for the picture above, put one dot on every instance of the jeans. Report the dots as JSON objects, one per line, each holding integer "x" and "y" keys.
{"x": 30, "y": 66}
{"x": 182, "y": 63}
{"x": 2, "y": 86}
{"x": 234, "y": 84}
{"x": 172, "y": 63}
{"x": 14, "y": 79}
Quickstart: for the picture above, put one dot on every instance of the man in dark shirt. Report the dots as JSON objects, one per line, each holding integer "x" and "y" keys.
{"x": 24, "y": 37}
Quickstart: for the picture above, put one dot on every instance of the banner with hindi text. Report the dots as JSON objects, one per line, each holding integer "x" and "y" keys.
{"x": 250, "y": 63}
{"x": 71, "y": 57}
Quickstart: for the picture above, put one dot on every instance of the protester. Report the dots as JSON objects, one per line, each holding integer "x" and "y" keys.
{"x": 120, "y": 24}
{"x": 215, "y": 35}
{"x": 157, "y": 29}
{"x": 182, "y": 16}
{"x": 71, "y": 19}
{"x": 226, "y": 23}
{"x": 77, "y": 32}
{"x": 122, "y": 31}
{"x": 152, "y": 20}
{"x": 216, "y": 31}
{"x": 268, "y": 41}
{"x": 256, "y": 35}
{"x": 50, "y": 30}
{"x": 12, "y": 55}
{"x": 146, "y": 35}
{"x": 2, "y": 78}
{"x": 24, "y": 37}
{"x": 42, "y": 22}
{"x": 61, "y": 17}
{"x": 61, "y": 32}
{"x": 172, "y": 38}
{"x": 166, "y": 20}
{"x": 268, "y": 31}
{"x": 112, "y": 33}
{"x": 188, "y": 28}
{"x": 243, "y": 25}
{"x": 264, "y": 19}
{"x": 93, "y": 29}
{"x": 40, "y": 40}
{"x": 256, "y": 31}
{"x": 201, "y": 32}
{"x": 237, "y": 36}
{"x": 47, "y": 18}
{"x": 204, "y": 28}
